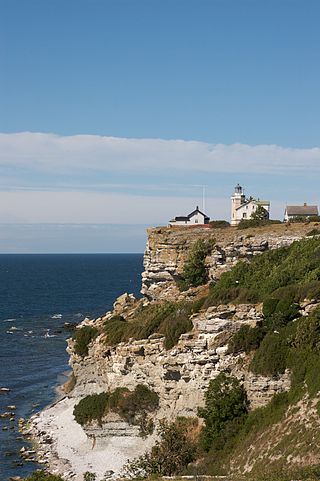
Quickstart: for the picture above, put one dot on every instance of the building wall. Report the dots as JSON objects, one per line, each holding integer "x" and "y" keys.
{"x": 195, "y": 219}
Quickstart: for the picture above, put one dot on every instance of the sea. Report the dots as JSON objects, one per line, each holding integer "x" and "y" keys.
{"x": 38, "y": 295}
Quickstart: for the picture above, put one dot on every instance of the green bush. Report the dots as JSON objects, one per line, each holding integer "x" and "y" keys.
{"x": 91, "y": 408}
{"x": 284, "y": 311}
{"x": 219, "y": 224}
{"x": 271, "y": 357}
{"x": 313, "y": 232}
{"x": 289, "y": 268}
{"x": 225, "y": 404}
{"x": 132, "y": 406}
{"x": 173, "y": 328}
{"x": 246, "y": 339}
{"x": 269, "y": 306}
{"x": 139, "y": 402}
{"x": 299, "y": 219}
{"x": 82, "y": 338}
{"x": 43, "y": 476}
{"x": 195, "y": 271}
{"x": 88, "y": 476}
{"x": 167, "y": 318}
{"x": 250, "y": 223}
{"x": 170, "y": 455}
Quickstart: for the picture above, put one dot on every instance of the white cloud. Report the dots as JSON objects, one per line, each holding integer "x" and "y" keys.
{"x": 72, "y": 207}
{"x": 97, "y": 208}
{"x": 62, "y": 154}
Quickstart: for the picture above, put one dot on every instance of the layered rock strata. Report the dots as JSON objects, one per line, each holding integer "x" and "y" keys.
{"x": 167, "y": 250}
{"x": 181, "y": 375}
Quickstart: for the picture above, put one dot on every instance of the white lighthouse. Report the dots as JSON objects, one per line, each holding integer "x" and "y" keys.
{"x": 237, "y": 199}
{"x": 243, "y": 209}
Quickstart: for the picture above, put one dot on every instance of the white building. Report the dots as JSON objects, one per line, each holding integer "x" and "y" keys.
{"x": 242, "y": 208}
{"x": 304, "y": 211}
{"x": 196, "y": 217}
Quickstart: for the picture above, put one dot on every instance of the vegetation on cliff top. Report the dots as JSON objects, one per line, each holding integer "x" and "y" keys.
{"x": 295, "y": 270}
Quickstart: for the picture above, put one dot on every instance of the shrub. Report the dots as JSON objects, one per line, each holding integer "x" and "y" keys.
{"x": 271, "y": 357}
{"x": 260, "y": 213}
{"x": 173, "y": 328}
{"x": 168, "y": 457}
{"x": 167, "y": 318}
{"x": 91, "y": 408}
{"x": 43, "y": 476}
{"x": 299, "y": 219}
{"x": 198, "y": 304}
{"x": 269, "y": 306}
{"x": 225, "y": 404}
{"x": 307, "y": 334}
{"x": 132, "y": 406}
{"x": 82, "y": 338}
{"x": 250, "y": 223}
{"x": 88, "y": 476}
{"x": 219, "y": 224}
{"x": 139, "y": 402}
{"x": 115, "y": 328}
{"x": 313, "y": 232}
{"x": 246, "y": 339}
{"x": 194, "y": 271}
{"x": 288, "y": 268}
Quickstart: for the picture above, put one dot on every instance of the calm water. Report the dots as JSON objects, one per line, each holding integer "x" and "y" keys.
{"x": 38, "y": 294}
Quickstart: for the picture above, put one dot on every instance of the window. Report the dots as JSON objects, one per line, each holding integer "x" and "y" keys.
{"x": 244, "y": 215}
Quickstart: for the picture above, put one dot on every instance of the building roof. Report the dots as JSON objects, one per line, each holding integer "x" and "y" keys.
{"x": 300, "y": 210}
{"x": 258, "y": 202}
{"x": 197, "y": 211}
{"x": 183, "y": 218}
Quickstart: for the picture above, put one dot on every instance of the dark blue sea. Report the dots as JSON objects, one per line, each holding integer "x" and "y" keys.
{"x": 38, "y": 294}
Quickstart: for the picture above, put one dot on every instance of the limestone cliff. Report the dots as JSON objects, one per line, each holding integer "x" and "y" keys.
{"x": 181, "y": 375}
{"x": 167, "y": 250}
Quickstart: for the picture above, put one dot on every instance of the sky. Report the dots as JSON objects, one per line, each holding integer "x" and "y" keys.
{"x": 115, "y": 113}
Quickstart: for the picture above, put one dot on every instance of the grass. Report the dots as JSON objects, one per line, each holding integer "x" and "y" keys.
{"x": 248, "y": 223}
{"x": 167, "y": 318}
{"x": 295, "y": 268}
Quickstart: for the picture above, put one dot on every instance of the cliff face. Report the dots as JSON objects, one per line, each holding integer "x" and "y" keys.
{"x": 167, "y": 250}
{"x": 181, "y": 375}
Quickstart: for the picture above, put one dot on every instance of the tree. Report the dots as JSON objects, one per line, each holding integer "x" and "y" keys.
{"x": 168, "y": 457}
{"x": 260, "y": 213}
{"x": 225, "y": 402}
{"x": 194, "y": 270}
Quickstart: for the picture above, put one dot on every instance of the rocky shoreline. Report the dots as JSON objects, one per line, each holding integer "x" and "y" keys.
{"x": 64, "y": 448}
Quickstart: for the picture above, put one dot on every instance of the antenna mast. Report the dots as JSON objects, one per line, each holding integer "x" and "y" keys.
{"x": 204, "y": 199}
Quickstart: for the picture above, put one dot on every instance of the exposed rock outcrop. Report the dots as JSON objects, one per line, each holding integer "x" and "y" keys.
{"x": 168, "y": 248}
{"x": 181, "y": 375}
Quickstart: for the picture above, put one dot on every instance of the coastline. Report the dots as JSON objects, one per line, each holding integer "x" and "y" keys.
{"x": 64, "y": 449}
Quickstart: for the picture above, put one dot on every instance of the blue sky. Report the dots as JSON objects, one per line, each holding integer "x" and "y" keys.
{"x": 115, "y": 112}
